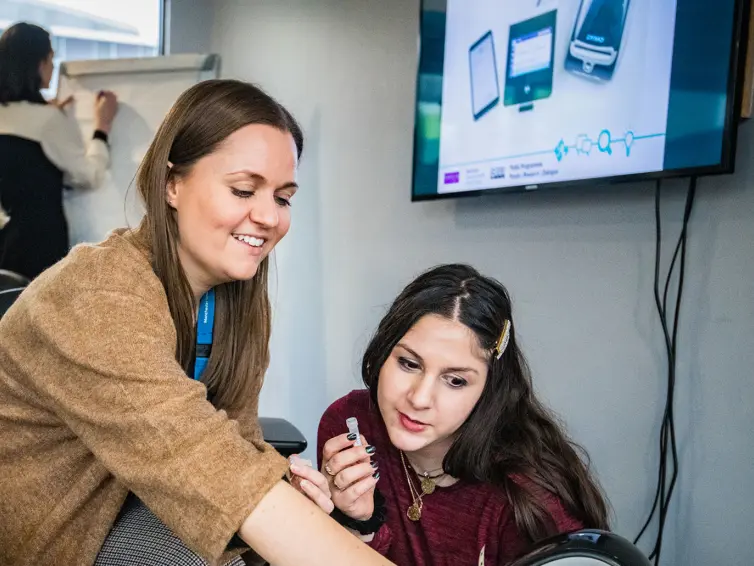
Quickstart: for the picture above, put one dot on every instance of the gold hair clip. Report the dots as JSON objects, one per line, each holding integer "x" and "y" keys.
{"x": 505, "y": 337}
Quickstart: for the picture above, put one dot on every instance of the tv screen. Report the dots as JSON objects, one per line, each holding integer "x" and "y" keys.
{"x": 524, "y": 94}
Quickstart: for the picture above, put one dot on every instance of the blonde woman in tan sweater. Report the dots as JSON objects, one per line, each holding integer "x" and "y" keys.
{"x": 108, "y": 415}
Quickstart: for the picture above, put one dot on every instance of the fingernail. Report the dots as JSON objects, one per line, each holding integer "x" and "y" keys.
{"x": 295, "y": 469}
{"x": 370, "y": 449}
{"x": 374, "y": 465}
{"x": 376, "y": 475}
{"x": 351, "y": 436}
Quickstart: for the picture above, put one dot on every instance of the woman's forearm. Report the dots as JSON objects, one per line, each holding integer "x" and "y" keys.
{"x": 286, "y": 529}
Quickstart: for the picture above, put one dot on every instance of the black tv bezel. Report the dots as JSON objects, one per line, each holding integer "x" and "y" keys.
{"x": 734, "y": 96}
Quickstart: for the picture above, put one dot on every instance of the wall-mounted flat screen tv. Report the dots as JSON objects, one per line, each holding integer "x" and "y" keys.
{"x": 525, "y": 94}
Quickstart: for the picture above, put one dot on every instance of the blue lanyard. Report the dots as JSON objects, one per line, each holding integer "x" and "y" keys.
{"x": 204, "y": 326}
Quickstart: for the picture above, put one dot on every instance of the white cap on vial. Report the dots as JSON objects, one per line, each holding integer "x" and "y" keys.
{"x": 353, "y": 428}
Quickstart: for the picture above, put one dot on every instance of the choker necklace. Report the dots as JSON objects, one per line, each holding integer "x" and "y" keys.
{"x": 428, "y": 485}
{"x": 428, "y": 481}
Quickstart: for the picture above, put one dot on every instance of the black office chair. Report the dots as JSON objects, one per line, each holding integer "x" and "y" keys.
{"x": 587, "y": 547}
{"x": 11, "y": 280}
{"x": 283, "y": 436}
{"x": 7, "y": 298}
{"x": 11, "y": 286}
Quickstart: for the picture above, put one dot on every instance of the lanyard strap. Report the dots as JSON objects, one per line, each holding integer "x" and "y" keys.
{"x": 204, "y": 326}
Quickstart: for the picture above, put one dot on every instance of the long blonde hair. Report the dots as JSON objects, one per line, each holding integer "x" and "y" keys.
{"x": 200, "y": 120}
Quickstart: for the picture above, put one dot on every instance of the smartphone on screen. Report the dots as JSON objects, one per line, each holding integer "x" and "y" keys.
{"x": 597, "y": 38}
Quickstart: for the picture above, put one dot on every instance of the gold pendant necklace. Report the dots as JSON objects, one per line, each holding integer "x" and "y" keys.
{"x": 429, "y": 482}
{"x": 414, "y": 512}
{"x": 428, "y": 485}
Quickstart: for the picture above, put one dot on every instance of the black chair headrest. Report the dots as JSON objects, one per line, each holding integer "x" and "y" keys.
{"x": 588, "y": 547}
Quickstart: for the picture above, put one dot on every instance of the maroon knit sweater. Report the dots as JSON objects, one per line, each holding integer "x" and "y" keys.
{"x": 464, "y": 524}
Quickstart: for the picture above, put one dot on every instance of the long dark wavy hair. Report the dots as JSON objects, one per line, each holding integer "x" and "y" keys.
{"x": 23, "y": 47}
{"x": 510, "y": 439}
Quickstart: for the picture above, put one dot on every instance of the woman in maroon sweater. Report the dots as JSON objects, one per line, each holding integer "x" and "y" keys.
{"x": 471, "y": 467}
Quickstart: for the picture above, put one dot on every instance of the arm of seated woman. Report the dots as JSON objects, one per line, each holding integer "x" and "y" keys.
{"x": 309, "y": 537}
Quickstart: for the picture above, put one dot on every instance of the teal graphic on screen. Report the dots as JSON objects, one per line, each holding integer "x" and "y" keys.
{"x": 531, "y": 49}
{"x": 485, "y": 88}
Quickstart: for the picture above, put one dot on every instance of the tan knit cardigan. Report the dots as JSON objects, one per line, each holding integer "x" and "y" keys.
{"x": 93, "y": 405}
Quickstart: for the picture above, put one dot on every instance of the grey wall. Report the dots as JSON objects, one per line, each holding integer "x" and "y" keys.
{"x": 188, "y": 26}
{"x": 578, "y": 263}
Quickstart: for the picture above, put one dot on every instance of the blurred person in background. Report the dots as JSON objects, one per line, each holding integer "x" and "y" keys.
{"x": 41, "y": 151}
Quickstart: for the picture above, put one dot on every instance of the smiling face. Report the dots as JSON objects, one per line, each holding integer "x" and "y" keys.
{"x": 429, "y": 385}
{"x": 232, "y": 207}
